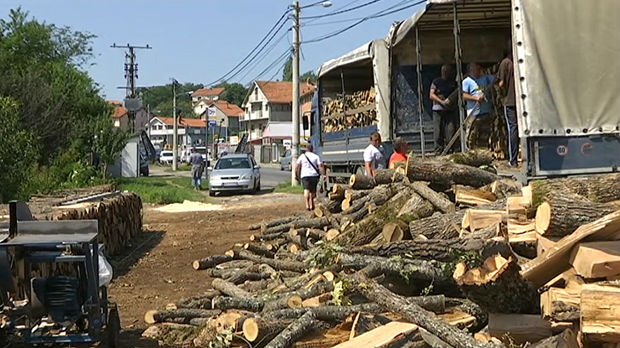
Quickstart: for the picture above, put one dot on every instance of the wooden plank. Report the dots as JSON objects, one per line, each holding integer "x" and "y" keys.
{"x": 560, "y": 304}
{"x": 555, "y": 260}
{"x": 600, "y": 313}
{"x": 476, "y": 219}
{"x": 380, "y": 336}
{"x": 473, "y": 197}
{"x": 520, "y": 327}
{"x": 596, "y": 259}
{"x": 517, "y": 227}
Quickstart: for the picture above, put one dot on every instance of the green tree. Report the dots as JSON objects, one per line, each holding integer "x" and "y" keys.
{"x": 309, "y": 76}
{"x": 234, "y": 92}
{"x": 287, "y": 73}
{"x": 184, "y": 108}
{"x": 18, "y": 153}
{"x": 108, "y": 143}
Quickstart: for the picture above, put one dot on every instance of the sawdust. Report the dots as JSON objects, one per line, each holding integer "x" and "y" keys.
{"x": 188, "y": 206}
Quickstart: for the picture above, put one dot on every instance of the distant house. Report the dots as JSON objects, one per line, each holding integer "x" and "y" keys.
{"x": 190, "y": 131}
{"x": 224, "y": 114}
{"x": 120, "y": 117}
{"x": 211, "y": 94}
{"x": 268, "y": 117}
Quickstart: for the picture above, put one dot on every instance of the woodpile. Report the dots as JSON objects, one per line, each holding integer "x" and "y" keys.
{"x": 119, "y": 214}
{"x": 448, "y": 261}
{"x": 351, "y": 111}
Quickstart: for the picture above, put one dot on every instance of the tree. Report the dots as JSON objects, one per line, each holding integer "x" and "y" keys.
{"x": 234, "y": 92}
{"x": 287, "y": 73}
{"x": 108, "y": 143}
{"x": 184, "y": 108}
{"x": 309, "y": 76}
{"x": 157, "y": 95}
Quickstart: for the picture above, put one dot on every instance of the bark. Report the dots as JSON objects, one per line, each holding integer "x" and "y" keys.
{"x": 562, "y": 213}
{"x": 497, "y": 286}
{"x": 152, "y": 317}
{"x": 259, "y": 250}
{"x": 280, "y": 265}
{"x": 210, "y": 261}
{"x": 245, "y": 303}
{"x": 338, "y": 191}
{"x": 263, "y": 329}
{"x": 270, "y": 236}
{"x": 361, "y": 182}
{"x": 388, "y": 176}
{"x": 229, "y": 288}
{"x": 221, "y": 273}
{"x": 235, "y": 264}
{"x": 597, "y": 188}
{"x": 471, "y": 308}
{"x": 242, "y": 276}
{"x": 202, "y": 301}
{"x": 438, "y": 226}
{"x": 395, "y": 231}
{"x": 448, "y": 173}
{"x": 436, "y": 199}
{"x": 356, "y": 206}
{"x": 503, "y": 188}
{"x": 283, "y": 301}
{"x": 258, "y": 285}
{"x": 294, "y": 331}
{"x": 327, "y": 313}
{"x": 279, "y": 229}
{"x": 273, "y": 223}
{"x": 315, "y": 234}
{"x": 413, "y": 312}
{"x": 473, "y": 158}
{"x": 312, "y": 223}
{"x": 415, "y": 208}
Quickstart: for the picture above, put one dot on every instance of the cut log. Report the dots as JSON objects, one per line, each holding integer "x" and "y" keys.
{"x": 438, "y": 226}
{"x": 436, "y": 199}
{"x": 338, "y": 191}
{"x": 415, "y": 208}
{"x": 497, "y": 286}
{"x": 556, "y": 260}
{"x": 562, "y": 213}
{"x": 597, "y": 188}
{"x": 317, "y": 300}
{"x": 328, "y": 313}
{"x": 448, "y": 174}
{"x": 263, "y": 330}
{"x": 600, "y": 313}
{"x": 273, "y": 223}
{"x": 332, "y": 234}
{"x": 202, "y": 301}
{"x": 243, "y": 303}
{"x": 387, "y": 176}
{"x": 473, "y": 197}
{"x": 361, "y": 182}
{"x": 476, "y": 219}
{"x": 560, "y": 304}
{"x": 380, "y": 336}
{"x": 152, "y": 317}
{"x": 596, "y": 259}
{"x": 259, "y": 250}
{"x": 567, "y": 339}
{"x": 280, "y": 265}
{"x": 395, "y": 231}
{"x": 210, "y": 261}
{"x": 474, "y": 158}
{"x": 294, "y": 331}
{"x": 503, "y": 188}
{"x": 311, "y": 223}
{"x": 412, "y": 312}
{"x": 284, "y": 301}
{"x": 229, "y": 288}
{"x": 521, "y": 328}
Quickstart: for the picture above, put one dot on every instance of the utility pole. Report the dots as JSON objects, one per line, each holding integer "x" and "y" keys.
{"x": 175, "y": 149}
{"x": 131, "y": 74}
{"x": 296, "y": 94}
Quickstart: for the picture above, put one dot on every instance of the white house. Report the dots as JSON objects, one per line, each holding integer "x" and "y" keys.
{"x": 190, "y": 131}
{"x": 211, "y": 94}
{"x": 223, "y": 114}
{"x": 120, "y": 117}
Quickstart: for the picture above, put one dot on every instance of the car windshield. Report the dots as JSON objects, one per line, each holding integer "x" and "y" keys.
{"x": 200, "y": 151}
{"x": 166, "y": 153}
{"x": 233, "y": 163}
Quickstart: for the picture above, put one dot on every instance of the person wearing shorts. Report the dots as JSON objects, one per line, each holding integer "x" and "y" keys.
{"x": 309, "y": 168}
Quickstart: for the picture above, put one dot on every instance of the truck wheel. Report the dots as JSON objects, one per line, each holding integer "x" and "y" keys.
{"x": 113, "y": 328}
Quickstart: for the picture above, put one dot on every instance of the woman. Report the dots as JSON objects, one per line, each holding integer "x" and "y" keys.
{"x": 400, "y": 152}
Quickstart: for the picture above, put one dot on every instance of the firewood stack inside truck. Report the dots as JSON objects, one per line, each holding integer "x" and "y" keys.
{"x": 53, "y": 282}
{"x": 565, "y": 59}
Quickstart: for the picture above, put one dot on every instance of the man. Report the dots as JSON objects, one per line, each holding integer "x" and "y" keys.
{"x": 506, "y": 82}
{"x": 197, "y": 162}
{"x": 445, "y": 118}
{"x": 309, "y": 168}
{"x": 373, "y": 157}
{"x": 400, "y": 152}
{"x": 479, "y": 105}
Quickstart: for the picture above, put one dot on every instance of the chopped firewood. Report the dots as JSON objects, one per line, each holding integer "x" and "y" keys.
{"x": 476, "y": 219}
{"x": 600, "y": 313}
{"x": 596, "y": 259}
{"x": 186, "y": 314}
{"x": 380, "y": 336}
{"x": 395, "y": 231}
{"x": 361, "y": 182}
{"x": 566, "y": 339}
{"x": 473, "y": 197}
{"x": 436, "y": 199}
{"x": 560, "y": 304}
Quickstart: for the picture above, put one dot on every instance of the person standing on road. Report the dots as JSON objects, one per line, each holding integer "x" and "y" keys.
{"x": 373, "y": 157}
{"x": 197, "y": 163}
{"x": 400, "y": 152}
{"x": 506, "y": 82}
{"x": 445, "y": 118}
{"x": 309, "y": 168}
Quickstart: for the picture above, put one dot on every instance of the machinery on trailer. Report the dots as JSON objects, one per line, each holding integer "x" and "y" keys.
{"x": 53, "y": 282}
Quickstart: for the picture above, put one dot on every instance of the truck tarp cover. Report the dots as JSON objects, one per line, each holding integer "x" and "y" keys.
{"x": 571, "y": 66}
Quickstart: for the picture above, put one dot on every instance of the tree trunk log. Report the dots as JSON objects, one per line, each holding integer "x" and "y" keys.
{"x": 273, "y": 223}
{"x": 562, "y": 213}
{"x": 244, "y": 303}
{"x": 437, "y": 200}
{"x": 602, "y": 188}
{"x": 388, "y": 176}
{"x": 497, "y": 286}
{"x": 361, "y": 182}
{"x": 473, "y": 158}
{"x": 229, "y": 288}
{"x": 283, "y": 301}
{"x": 415, "y": 208}
{"x": 312, "y": 223}
{"x": 280, "y": 265}
{"x": 294, "y": 331}
{"x": 327, "y": 313}
{"x": 438, "y": 226}
{"x": 413, "y": 312}
{"x": 338, "y": 191}
{"x": 448, "y": 174}
{"x": 395, "y": 231}
{"x": 243, "y": 276}
{"x": 152, "y": 317}
{"x": 259, "y": 250}
{"x": 202, "y": 301}
{"x": 262, "y": 330}
{"x": 210, "y": 261}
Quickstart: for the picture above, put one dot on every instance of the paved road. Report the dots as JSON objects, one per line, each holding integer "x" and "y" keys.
{"x": 271, "y": 176}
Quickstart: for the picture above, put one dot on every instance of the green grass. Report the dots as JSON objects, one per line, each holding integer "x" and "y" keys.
{"x": 286, "y": 187}
{"x": 184, "y": 167}
{"x": 163, "y": 190}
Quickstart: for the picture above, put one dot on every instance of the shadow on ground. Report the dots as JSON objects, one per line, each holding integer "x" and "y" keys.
{"x": 139, "y": 246}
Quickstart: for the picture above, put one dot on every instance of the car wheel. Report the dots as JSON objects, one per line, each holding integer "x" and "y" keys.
{"x": 113, "y": 328}
{"x": 211, "y": 193}
{"x": 257, "y": 189}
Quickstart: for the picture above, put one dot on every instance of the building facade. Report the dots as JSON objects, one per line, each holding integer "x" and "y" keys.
{"x": 224, "y": 115}
{"x": 209, "y": 94}
{"x": 120, "y": 117}
{"x": 190, "y": 131}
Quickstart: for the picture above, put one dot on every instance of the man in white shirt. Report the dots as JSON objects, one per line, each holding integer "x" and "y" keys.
{"x": 373, "y": 157}
{"x": 309, "y": 168}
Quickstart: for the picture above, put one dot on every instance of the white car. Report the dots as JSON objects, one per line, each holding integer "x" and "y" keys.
{"x": 166, "y": 157}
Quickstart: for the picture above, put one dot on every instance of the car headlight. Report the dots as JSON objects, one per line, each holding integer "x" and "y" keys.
{"x": 215, "y": 178}
{"x": 246, "y": 176}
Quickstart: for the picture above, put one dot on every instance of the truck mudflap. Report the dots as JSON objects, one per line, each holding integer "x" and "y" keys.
{"x": 555, "y": 156}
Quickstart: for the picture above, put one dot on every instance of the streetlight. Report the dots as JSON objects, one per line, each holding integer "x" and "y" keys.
{"x": 175, "y": 145}
{"x": 296, "y": 94}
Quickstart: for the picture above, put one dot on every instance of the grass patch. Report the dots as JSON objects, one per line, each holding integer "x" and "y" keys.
{"x": 286, "y": 187}
{"x": 163, "y": 190}
{"x": 183, "y": 167}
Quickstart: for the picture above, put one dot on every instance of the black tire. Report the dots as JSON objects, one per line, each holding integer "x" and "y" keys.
{"x": 257, "y": 189}
{"x": 113, "y": 328}
{"x": 211, "y": 193}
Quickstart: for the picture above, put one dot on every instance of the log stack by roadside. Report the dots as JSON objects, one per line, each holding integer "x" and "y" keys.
{"x": 436, "y": 254}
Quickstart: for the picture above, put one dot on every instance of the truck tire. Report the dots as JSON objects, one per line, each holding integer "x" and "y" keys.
{"x": 113, "y": 328}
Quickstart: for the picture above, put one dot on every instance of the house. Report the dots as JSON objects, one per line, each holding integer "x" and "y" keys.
{"x": 223, "y": 114}
{"x": 190, "y": 131}
{"x": 268, "y": 117}
{"x": 120, "y": 116}
{"x": 211, "y": 94}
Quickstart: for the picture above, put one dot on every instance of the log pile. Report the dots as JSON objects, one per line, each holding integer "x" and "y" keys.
{"x": 353, "y": 111}
{"x": 401, "y": 262}
{"x": 119, "y": 214}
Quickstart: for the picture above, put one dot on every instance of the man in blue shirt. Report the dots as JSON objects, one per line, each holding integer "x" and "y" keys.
{"x": 476, "y": 91}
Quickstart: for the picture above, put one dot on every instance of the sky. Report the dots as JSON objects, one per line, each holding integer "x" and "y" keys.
{"x": 201, "y": 40}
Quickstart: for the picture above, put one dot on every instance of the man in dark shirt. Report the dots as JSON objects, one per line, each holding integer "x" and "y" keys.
{"x": 505, "y": 77}
{"x": 445, "y": 118}
{"x": 197, "y": 163}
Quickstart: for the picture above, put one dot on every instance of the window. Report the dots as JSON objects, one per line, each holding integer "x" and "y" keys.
{"x": 233, "y": 163}
{"x": 266, "y": 107}
{"x": 256, "y": 94}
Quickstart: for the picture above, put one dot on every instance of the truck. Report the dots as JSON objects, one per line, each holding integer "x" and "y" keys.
{"x": 566, "y": 81}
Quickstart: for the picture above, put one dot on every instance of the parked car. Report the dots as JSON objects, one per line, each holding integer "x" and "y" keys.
{"x": 166, "y": 157}
{"x": 235, "y": 172}
{"x": 285, "y": 161}
{"x": 200, "y": 149}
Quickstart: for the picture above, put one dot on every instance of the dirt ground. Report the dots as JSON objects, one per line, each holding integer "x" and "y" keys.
{"x": 156, "y": 268}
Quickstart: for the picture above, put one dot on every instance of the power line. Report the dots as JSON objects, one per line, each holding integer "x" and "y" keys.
{"x": 285, "y": 55}
{"x": 373, "y": 16}
{"x": 342, "y": 11}
{"x": 256, "y": 47}
{"x": 257, "y": 61}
